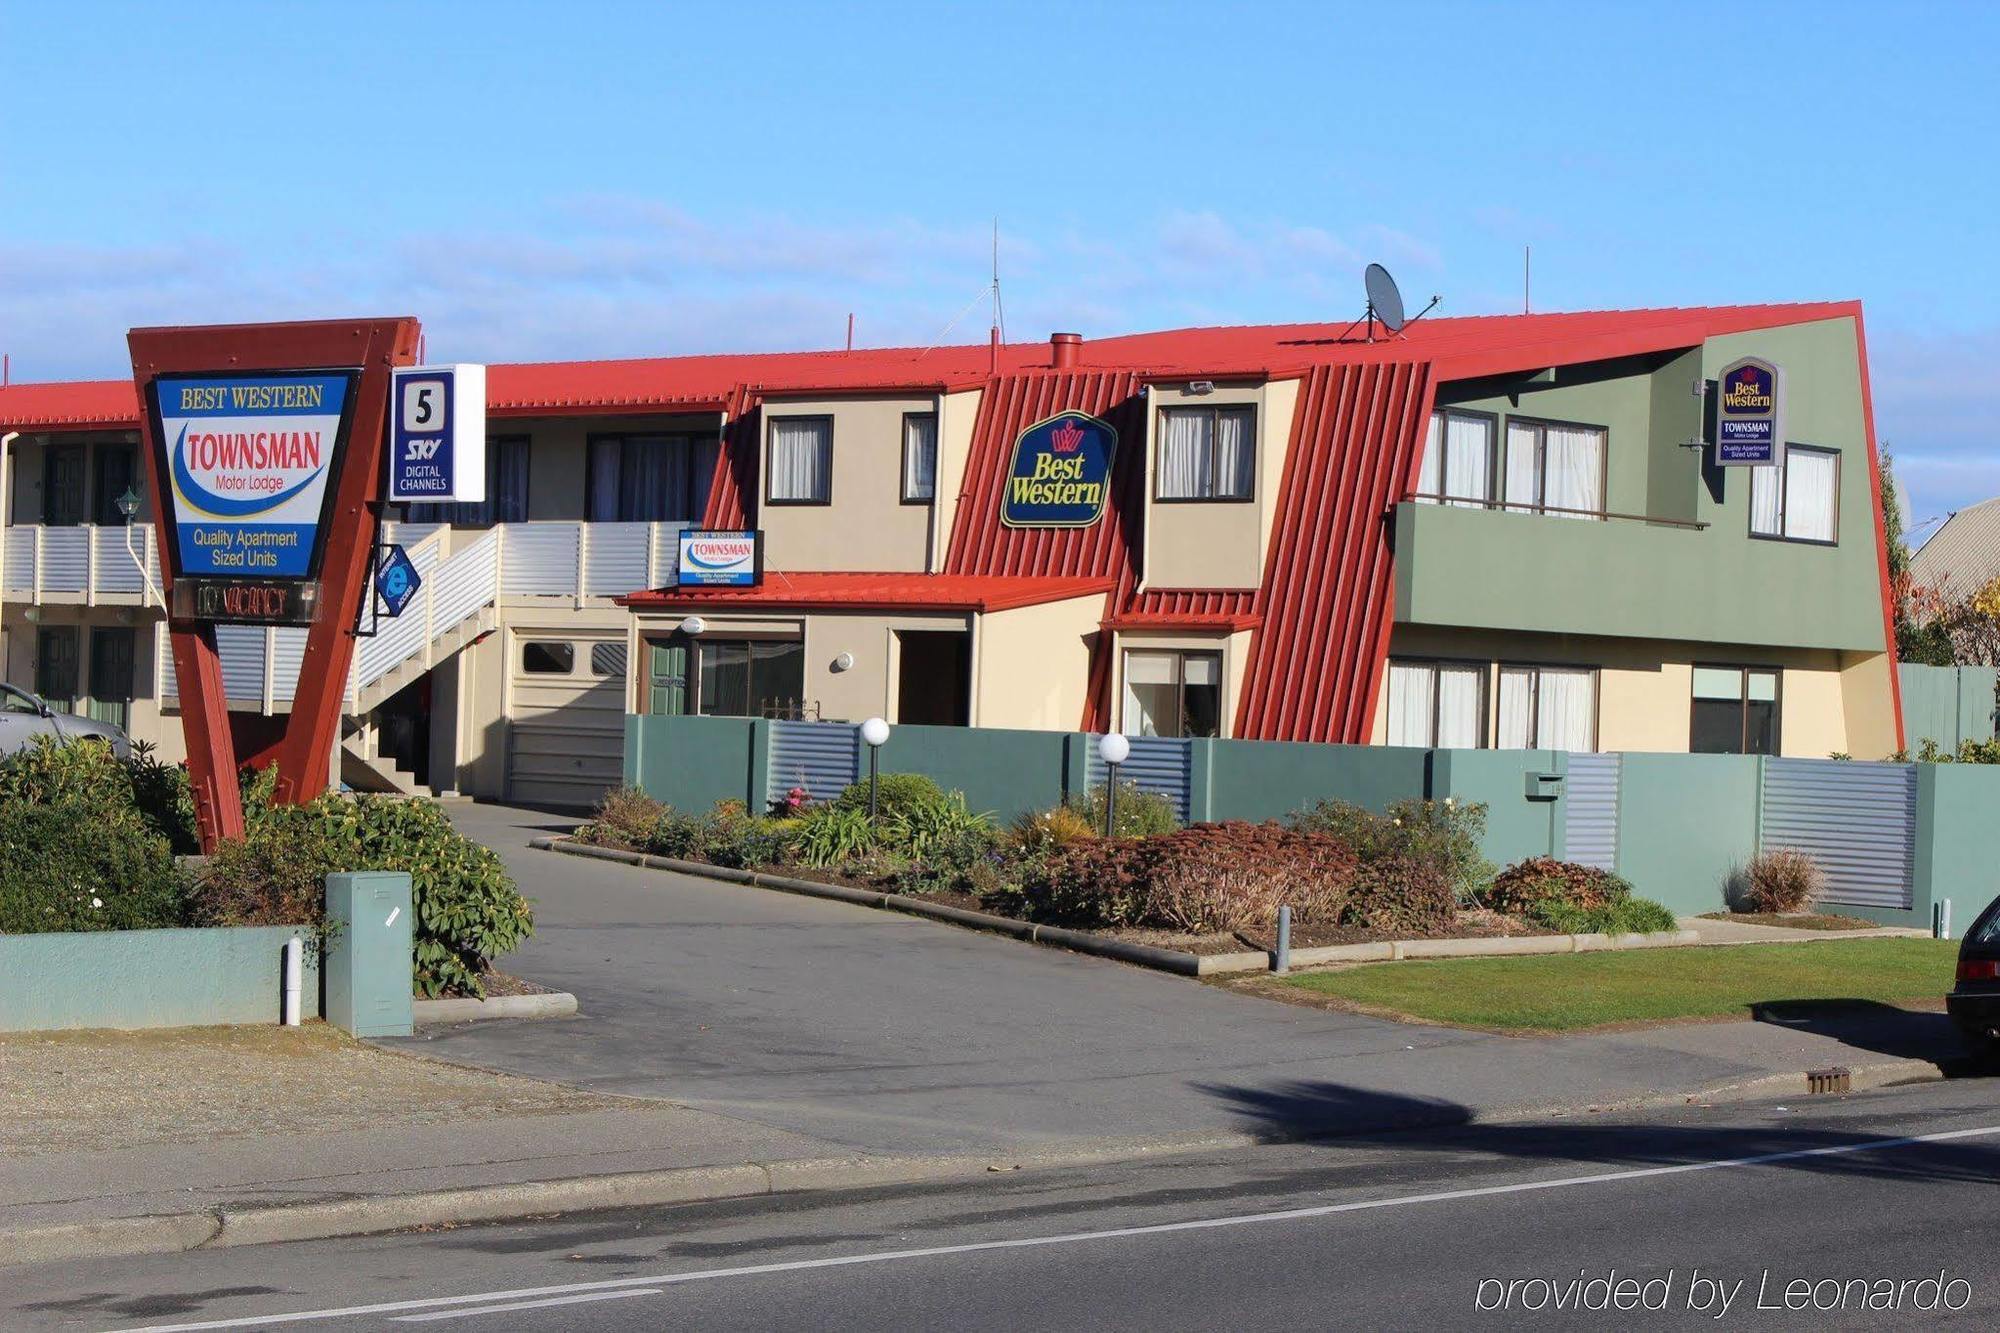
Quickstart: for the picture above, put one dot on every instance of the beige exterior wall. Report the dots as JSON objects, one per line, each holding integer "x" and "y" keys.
{"x": 1235, "y": 650}
{"x": 957, "y": 413}
{"x": 866, "y": 527}
{"x": 1216, "y": 544}
{"x": 481, "y": 706}
{"x": 1645, "y": 688}
{"x": 1031, "y": 666}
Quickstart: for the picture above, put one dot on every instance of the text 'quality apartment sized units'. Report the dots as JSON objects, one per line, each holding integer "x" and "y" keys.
{"x": 1503, "y": 531}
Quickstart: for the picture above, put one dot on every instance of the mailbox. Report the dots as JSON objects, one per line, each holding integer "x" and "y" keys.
{"x": 368, "y": 958}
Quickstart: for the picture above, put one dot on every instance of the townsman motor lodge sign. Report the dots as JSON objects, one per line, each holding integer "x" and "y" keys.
{"x": 248, "y": 458}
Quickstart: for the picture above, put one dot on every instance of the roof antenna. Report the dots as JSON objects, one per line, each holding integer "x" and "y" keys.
{"x": 850, "y": 330}
{"x": 1385, "y": 306}
{"x": 991, "y": 291}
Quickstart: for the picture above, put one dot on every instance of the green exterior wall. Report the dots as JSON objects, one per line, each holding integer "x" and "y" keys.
{"x": 1259, "y": 780}
{"x": 1000, "y": 771}
{"x": 1685, "y": 822}
{"x": 152, "y": 978}
{"x": 693, "y": 762}
{"x": 1955, "y": 841}
{"x": 1517, "y": 825}
{"x": 1947, "y": 705}
{"x": 1528, "y": 572}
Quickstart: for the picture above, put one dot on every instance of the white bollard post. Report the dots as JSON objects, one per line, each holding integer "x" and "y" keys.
{"x": 294, "y": 979}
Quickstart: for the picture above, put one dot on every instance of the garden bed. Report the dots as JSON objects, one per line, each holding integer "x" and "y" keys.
{"x": 1795, "y": 920}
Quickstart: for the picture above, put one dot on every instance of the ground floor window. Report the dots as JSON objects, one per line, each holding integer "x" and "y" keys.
{"x": 1172, "y": 694}
{"x": 750, "y": 677}
{"x": 1437, "y": 704}
{"x": 1735, "y": 710}
{"x": 1548, "y": 708}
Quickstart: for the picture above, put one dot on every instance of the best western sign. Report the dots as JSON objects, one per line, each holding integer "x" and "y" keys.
{"x": 247, "y": 459}
{"x": 1060, "y": 476}
{"x": 1750, "y": 413}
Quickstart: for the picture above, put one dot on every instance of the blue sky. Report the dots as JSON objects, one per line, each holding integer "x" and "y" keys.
{"x": 542, "y": 181}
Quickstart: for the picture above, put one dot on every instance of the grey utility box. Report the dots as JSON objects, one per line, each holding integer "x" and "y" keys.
{"x": 368, "y": 958}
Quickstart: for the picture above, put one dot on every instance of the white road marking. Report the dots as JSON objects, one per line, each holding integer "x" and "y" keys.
{"x": 528, "y": 1305}
{"x": 1077, "y": 1237}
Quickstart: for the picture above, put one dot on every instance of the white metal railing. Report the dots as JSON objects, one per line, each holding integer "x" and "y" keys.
{"x": 78, "y": 560}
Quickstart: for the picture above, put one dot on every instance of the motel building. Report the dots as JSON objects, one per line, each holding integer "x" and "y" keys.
{"x": 1486, "y": 532}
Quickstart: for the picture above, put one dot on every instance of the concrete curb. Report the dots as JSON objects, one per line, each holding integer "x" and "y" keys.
{"x": 552, "y": 1004}
{"x": 229, "y": 1226}
{"x": 1176, "y": 961}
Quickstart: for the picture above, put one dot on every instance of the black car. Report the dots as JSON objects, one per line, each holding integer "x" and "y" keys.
{"x": 1975, "y": 1002}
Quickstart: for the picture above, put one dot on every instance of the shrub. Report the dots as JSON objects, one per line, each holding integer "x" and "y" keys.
{"x": 1620, "y": 916}
{"x": 1139, "y": 814}
{"x": 1037, "y": 833}
{"x": 626, "y": 818}
{"x": 1095, "y": 882}
{"x": 1403, "y": 892}
{"x": 65, "y": 866}
{"x": 749, "y": 841}
{"x": 1544, "y": 881}
{"x": 163, "y": 798}
{"x": 1785, "y": 880}
{"x": 924, "y": 831}
{"x": 683, "y": 837}
{"x": 466, "y": 907}
{"x": 895, "y": 794}
{"x": 830, "y": 834}
{"x": 1444, "y": 831}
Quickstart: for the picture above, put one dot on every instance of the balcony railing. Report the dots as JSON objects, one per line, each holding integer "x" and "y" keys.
{"x": 78, "y": 563}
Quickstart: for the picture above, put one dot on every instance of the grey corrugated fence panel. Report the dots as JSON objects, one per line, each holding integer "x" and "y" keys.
{"x": 1858, "y": 821}
{"x": 288, "y": 654}
{"x": 1157, "y": 764}
{"x": 1590, "y": 822}
{"x": 539, "y": 559}
{"x": 241, "y": 649}
{"x": 65, "y": 559}
{"x": 821, "y": 757}
{"x": 615, "y": 560}
{"x": 20, "y": 561}
{"x": 1946, "y": 705}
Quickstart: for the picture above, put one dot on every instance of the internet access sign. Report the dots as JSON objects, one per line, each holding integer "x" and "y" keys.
{"x": 1060, "y": 475}
{"x": 1750, "y": 414}
{"x": 247, "y": 459}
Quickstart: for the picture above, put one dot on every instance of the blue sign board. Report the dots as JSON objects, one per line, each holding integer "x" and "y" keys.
{"x": 248, "y": 459}
{"x": 1749, "y": 414}
{"x": 720, "y": 559}
{"x": 437, "y": 434}
{"x": 396, "y": 580}
{"x": 1060, "y": 474}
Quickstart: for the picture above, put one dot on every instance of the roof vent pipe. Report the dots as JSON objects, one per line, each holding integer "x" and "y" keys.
{"x": 1063, "y": 348}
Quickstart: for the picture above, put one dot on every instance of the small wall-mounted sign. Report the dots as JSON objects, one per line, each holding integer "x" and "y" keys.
{"x": 1060, "y": 474}
{"x": 437, "y": 434}
{"x": 720, "y": 559}
{"x": 246, "y": 601}
{"x": 1750, "y": 414}
{"x": 396, "y": 580}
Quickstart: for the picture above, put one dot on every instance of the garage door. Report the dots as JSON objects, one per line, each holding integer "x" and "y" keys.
{"x": 566, "y": 738}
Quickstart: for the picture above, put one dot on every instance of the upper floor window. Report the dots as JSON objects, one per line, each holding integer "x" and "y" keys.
{"x": 801, "y": 461}
{"x": 506, "y": 490}
{"x": 1458, "y": 460}
{"x": 1172, "y": 694}
{"x": 919, "y": 457}
{"x": 1555, "y": 469}
{"x": 1548, "y": 708}
{"x": 1799, "y": 500}
{"x": 1735, "y": 711}
{"x": 1207, "y": 453}
{"x": 1437, "y": 704}
{"x": 649, "y": 478}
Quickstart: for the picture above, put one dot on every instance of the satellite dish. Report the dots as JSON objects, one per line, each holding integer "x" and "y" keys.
{"x": 1385, "y": 300}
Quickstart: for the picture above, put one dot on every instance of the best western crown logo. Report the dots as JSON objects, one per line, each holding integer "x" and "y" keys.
{"x": 1060, "y": 473}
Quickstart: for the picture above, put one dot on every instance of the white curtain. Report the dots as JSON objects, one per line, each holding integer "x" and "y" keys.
{"x": 1468, "y": 461}
{"x": 1523, "y": 468}
{"x": 1810, "y": 489}
{"x": 1767, "y": 518}
{"x": 1235, "y": 454}
{"x": 919, "y": 457}
{"x": 801, "y": 459}
{"x": 1461, "y": 721}
{"x": 1152, "y": 695}
{"x": 1430, "y": 473}
{"x": 1410, "y": 701}
{"x": 1517, "y": 708}
{"x": 1573, "y": 470}
{"x": 603, "y": 504}
{"x": 1187, "y": 455}
{"x": 1566, "y": 715}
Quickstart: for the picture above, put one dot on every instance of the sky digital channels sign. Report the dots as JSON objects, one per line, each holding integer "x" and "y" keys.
{"x": 248, "y": 461}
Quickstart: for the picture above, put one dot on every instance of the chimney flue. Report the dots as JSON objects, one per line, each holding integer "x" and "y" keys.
{"x": 1063, "y": 349}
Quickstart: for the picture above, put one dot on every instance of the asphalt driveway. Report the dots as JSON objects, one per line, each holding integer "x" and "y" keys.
{"x": 879, "y": 1031}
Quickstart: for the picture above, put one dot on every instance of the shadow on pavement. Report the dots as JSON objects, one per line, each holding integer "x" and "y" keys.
{"x": 1404, "y": 1124}
{"x": 1870, "y": 1025}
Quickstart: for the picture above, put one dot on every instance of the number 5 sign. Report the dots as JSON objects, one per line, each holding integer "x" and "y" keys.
{"x": 437, "y": 433}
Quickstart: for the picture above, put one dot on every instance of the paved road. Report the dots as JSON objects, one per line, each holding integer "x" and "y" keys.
{"x": 1390, "y": 1231}
{"x": 880, "y": 1032}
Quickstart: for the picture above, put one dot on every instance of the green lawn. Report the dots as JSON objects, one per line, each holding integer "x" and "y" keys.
{"x": 1556, "y": 992}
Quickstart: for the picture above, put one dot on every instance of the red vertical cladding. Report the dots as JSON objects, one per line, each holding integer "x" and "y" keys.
{"x": 1328, "y": 594}
{"x": 982, "y": 544}
{"x": 732, "y": 493}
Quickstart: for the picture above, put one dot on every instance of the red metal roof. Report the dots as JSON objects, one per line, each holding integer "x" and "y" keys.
{"x": 876, "y": 592}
